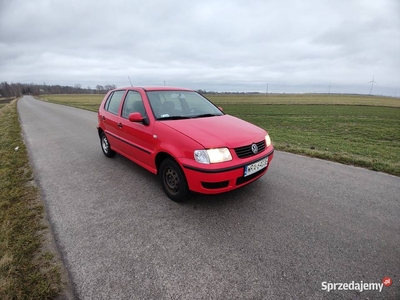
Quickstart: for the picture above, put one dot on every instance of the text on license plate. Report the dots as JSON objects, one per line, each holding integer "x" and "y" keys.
{"x": 257, "y": 166}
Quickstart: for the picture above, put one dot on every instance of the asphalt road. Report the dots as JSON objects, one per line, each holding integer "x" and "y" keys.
{"x": 306, "y": 222}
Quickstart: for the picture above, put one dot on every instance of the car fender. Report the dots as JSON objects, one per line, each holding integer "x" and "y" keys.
{"x": 174, "y": 143}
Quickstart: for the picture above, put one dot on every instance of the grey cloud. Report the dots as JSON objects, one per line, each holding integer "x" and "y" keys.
{"x": 237, "y": 45}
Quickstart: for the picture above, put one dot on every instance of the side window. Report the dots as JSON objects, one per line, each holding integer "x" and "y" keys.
{"x": 107, "y": 102}
{"x": 113, "y": 102}
{"x": 133, "y": 103}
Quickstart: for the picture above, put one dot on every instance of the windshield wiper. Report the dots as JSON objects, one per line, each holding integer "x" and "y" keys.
{"x": 174, "y": 118}
{"x": 205, "y": 115}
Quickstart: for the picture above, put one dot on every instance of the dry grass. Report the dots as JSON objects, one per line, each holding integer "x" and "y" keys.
{"x": 26, "y": 271}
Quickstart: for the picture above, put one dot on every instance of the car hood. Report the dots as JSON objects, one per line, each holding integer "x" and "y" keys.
{"x": 219, "y": 131}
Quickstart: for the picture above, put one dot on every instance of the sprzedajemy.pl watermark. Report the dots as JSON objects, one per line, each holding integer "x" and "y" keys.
{"x": 356, "y": 286}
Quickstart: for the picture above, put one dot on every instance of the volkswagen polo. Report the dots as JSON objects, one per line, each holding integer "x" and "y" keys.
{"x": 182, "y": 137}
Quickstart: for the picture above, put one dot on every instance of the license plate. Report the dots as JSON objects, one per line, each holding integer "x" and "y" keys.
{"x": 255, "y": 167}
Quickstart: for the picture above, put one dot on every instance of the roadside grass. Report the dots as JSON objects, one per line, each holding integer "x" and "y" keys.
{"x": 358, "y": 130}
{"x": 27, "y": 271}
{"x": 4, "y": 101}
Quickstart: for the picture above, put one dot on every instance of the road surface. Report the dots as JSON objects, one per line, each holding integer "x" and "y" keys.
{"x": 306, "y": 222}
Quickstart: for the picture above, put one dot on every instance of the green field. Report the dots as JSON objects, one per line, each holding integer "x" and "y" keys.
{"x": 308, "y": 99}
{"x": 351, "y": 129}
{"x": 89, "y": 102}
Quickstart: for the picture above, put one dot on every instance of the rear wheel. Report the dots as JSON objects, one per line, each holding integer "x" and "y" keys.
{"x": 173, "y": 180}
{"x": 105, "y": 146}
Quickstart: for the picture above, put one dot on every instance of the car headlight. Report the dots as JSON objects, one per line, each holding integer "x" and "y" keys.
{"x": 212, "y": 156}
{"x": 268, "y": 140}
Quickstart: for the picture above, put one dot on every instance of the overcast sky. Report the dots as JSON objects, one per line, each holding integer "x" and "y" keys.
{"x": 220, "y": 45}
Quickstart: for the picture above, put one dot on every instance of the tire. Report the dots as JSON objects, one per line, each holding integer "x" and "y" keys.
{"x": 105, "y": 146}
{"x": 173, "y": 181}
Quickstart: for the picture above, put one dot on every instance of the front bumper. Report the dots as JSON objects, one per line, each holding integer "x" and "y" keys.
{"x": 216, "y": 181}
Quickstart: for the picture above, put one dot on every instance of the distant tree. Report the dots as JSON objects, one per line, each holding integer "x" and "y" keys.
{"x": 200, "y": 91}
{"x": 18, "y": 89}
{"x": 110, "y": 87}
{"x": 5, "y": 89}
{"x": 56, "y": 89}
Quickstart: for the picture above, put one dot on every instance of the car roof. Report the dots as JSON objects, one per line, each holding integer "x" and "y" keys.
{"x": 159, "y": 88}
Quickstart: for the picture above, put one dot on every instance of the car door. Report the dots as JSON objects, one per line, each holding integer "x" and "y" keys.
{"x": 111, "y": 119}
{"x": 137, "y": 137}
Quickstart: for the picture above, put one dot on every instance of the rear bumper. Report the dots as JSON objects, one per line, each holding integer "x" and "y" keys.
{"x": 216, "y": 181}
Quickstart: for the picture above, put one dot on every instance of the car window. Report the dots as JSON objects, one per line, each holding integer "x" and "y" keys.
{"x": 133, "y": 103}
{"x": 113, "y": 102}
{"x": 164, "y": 105}
{"x": 195, "y": 102}
{"x": 169, "y": 104}
{"x": 177, "y": 104}
{"x": 155, "y": 103}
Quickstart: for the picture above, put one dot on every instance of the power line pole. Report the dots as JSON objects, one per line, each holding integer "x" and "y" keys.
{"x": 267, "y": 90}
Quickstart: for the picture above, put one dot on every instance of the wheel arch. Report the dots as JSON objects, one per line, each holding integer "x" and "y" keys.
{"x": 162, "y": 156}
{"x": 99, "y": 131}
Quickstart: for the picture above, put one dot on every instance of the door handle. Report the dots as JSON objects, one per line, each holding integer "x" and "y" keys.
{"x": 103, "y": 118}
{"x": 119, "y": 125}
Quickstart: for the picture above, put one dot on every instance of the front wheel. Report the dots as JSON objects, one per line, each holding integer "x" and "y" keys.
{"x": 173, "y": 180}
{"x": 105, "y": 146}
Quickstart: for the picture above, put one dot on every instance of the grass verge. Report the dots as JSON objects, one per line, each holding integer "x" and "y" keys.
{"x": 358, "y": 130}
{"x": 26, "y": 270}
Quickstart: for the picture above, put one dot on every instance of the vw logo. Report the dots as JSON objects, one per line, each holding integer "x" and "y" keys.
{"x": 254, "y": 148}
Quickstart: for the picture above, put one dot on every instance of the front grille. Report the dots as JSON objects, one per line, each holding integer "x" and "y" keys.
{"x": 245, "y": 151}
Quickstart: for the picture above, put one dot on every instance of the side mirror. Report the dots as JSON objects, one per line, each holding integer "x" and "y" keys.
{"x": 220, "y": 108}
{"x": 137, "y": 117}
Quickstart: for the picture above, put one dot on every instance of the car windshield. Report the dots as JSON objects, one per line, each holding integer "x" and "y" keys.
{"x": 175, "y": 105}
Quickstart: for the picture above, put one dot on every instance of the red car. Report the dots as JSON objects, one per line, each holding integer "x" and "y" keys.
{"x": 184, "y": 138}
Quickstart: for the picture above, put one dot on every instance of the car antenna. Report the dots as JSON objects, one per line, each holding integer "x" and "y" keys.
{"x": 130, "y": 81}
